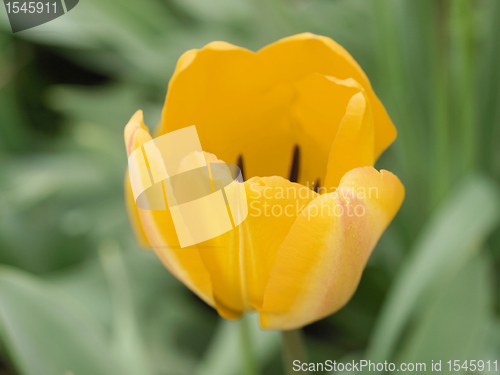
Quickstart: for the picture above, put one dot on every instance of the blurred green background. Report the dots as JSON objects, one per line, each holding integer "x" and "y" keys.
{"x": 78, "y": 297}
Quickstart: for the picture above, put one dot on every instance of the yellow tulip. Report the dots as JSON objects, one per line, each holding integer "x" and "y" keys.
{"x": 299, "y": 109}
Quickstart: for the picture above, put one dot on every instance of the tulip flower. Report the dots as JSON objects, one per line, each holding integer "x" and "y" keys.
{"x": 302, "y": 121}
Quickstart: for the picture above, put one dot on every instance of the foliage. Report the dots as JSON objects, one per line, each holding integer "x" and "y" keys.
{"x": 78, "y": 296}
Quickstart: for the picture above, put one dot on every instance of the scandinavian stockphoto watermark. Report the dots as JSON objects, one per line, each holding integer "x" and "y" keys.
{"x": 205, "y": 200}
{"x": 292, "y": 201}
{"x": 27, "y": 14}
{"x": 208, "y": 199}
{"x": 367, "y": 366}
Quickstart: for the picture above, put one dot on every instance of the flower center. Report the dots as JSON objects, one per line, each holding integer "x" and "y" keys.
{"x": 294, "y": 169}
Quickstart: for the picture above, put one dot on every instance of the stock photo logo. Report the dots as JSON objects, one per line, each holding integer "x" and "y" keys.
{"x": 24, "y": 15}
{"x": 204, "y": 199}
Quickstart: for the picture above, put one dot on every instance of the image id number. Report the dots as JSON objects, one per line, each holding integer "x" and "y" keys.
{"x": 31, "y": 7}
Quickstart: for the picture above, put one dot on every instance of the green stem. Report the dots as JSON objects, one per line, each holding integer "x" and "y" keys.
{"x": 462, "y": 64}
{"x": 442, "y": 176}
{"x": 293, "y": 349}
{"x": 247, "y": 349}
{"x": 392, "y": 82}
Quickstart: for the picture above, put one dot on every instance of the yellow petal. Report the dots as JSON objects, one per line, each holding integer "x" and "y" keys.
{"x": 354, "y": 143}
{"x": 221, "y": 91}
{"x": 136, "y": 132}
{"x": 240, "y": 261}
{"x": 319, "y": 264}
{"x": 243, "y": 103}
{"x": 318, "y": 111}
{"x": 133, "y": 215}
{"x": 293, "y": 57}
{"x": 135, "y": 135}
{"x": 158, "y": 228}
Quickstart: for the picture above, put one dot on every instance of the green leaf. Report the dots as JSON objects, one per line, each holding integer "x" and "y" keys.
{"x": 155, "y": 322}
{"x": 127, "y": 340}
{"x": 488, "y": 60}
{"x": 454, "y": 325}
{"x": 224, "y": 356}
{"x": 493, "y": 346}
{"x": 45, "y": 333}
{"x": 109, "y": 106}
{"x": 217, "y": 10}
{"x": 466, "y": 219}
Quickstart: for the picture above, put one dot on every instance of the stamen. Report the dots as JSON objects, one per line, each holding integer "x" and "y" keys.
{"x": 294, "y": 170}
{"x": 240, "y": 166}
{"x": 316, "y": 185}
